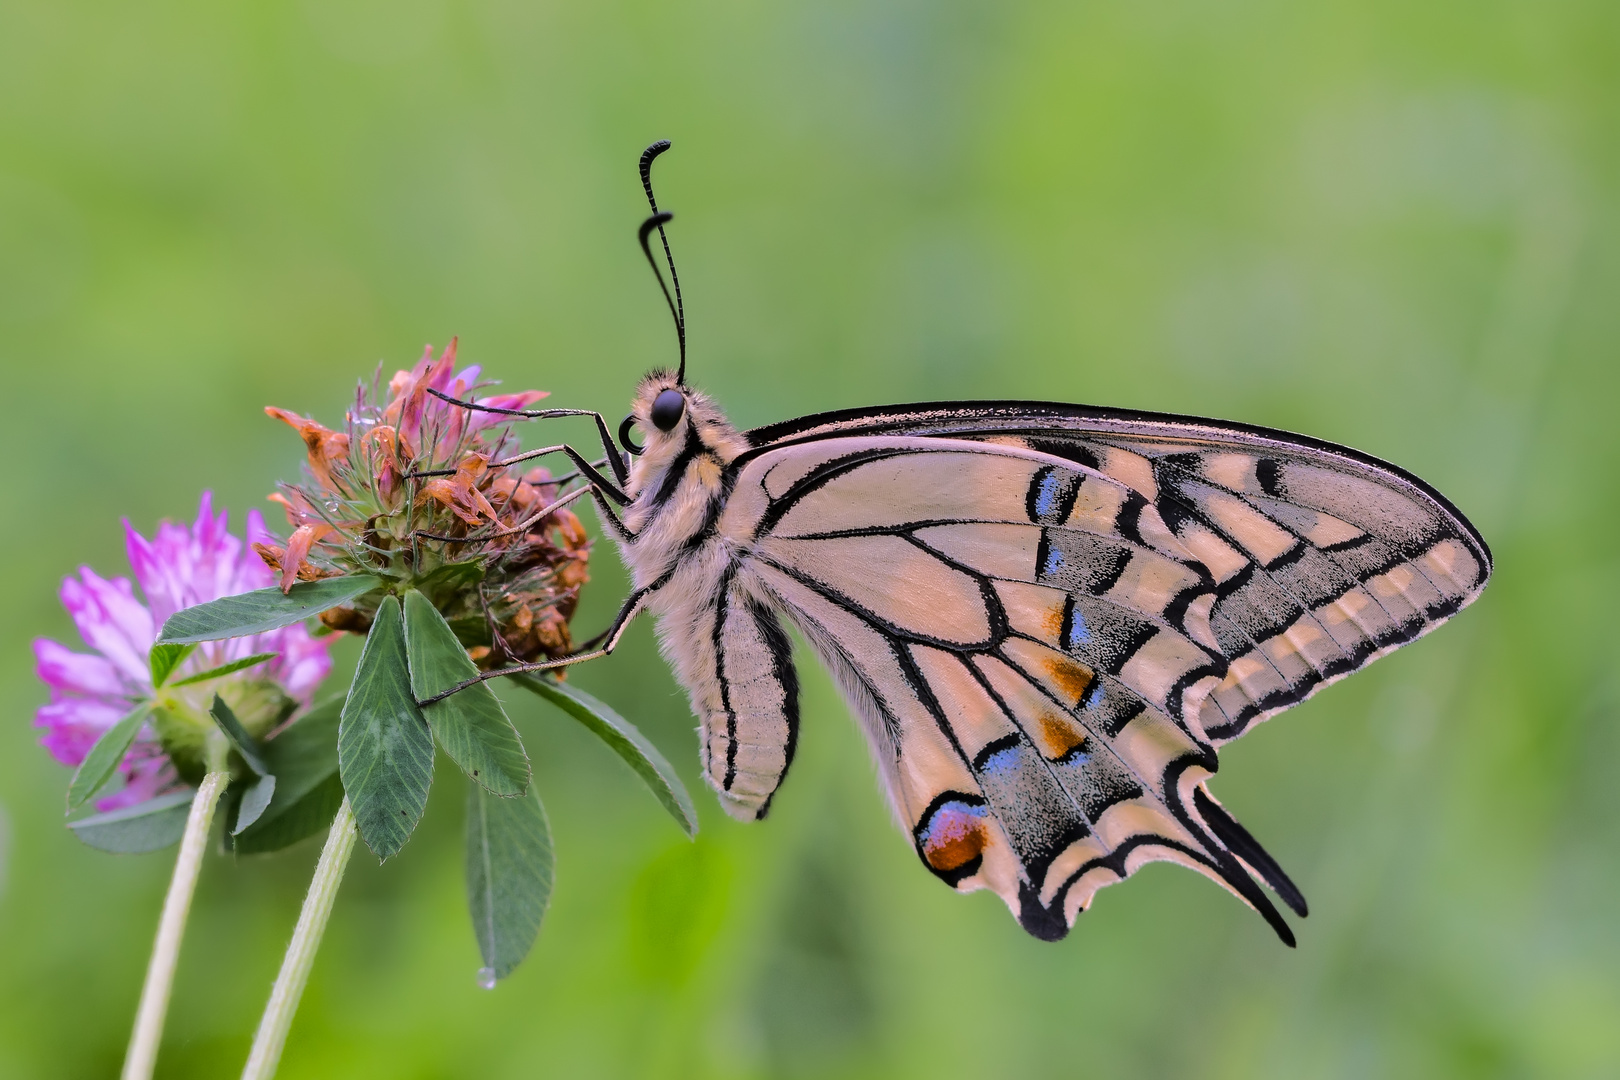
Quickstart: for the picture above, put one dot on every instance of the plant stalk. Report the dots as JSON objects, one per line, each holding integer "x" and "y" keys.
{"x": 306, "y": 940}
{"x": 154, "y": 1006}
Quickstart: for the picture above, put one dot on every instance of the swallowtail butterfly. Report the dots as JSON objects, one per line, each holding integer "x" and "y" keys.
{"x": 1048, "y": 618}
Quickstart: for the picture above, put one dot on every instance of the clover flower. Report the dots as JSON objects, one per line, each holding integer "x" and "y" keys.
{"x": 90, "y": 692}
{"x": 416, "y": 490}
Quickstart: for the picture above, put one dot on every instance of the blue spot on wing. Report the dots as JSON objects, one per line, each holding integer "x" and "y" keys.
{"x": 1046, "y": 499}
{"x": 1001, "y": 762}
{"x": 1054, "y": 562}
{"x": 1079, "y": 633}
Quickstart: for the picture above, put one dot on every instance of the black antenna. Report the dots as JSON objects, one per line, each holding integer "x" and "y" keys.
{"x": 677, "y": 310}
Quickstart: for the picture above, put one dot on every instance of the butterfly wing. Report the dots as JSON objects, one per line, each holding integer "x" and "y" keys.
{"x": 1048, "y": 618}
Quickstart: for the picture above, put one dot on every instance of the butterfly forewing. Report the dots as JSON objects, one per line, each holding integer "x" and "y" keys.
{"x": 1048, "y": 618}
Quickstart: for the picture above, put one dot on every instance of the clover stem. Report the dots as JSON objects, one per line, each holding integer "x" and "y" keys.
{"x": 306, "y": 939}
{"x": 154, "y": 1006}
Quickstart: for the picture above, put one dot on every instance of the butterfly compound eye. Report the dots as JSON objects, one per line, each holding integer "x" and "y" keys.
{"x": 667, "y": 409}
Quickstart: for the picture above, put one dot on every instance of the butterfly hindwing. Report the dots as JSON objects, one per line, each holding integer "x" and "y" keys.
{"x": 739, "y": 661}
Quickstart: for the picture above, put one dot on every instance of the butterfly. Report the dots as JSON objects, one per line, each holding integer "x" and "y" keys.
{"x": 1047, "y": 618}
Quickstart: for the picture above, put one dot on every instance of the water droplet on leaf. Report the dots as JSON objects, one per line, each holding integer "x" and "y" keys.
{"x": 486, "y": 978}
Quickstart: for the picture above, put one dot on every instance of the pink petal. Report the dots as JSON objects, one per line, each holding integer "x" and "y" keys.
{"x": 81, "y": 674}
{"x": 72, "y": 726}
{"x": 258, "y": 532}
{"x": 111, "y": 621}
{"x": 206, "y": 544}
{"x": 438, "y": 376}
{"x": 144, "y": 561}
{"x": 163, "y": 566}
{"x": 303, "y": 661}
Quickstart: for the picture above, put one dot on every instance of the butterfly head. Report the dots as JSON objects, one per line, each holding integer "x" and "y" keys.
{"x": 676, "y": 421}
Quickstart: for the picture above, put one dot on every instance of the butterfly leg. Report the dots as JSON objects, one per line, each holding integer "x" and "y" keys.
{"x": 521, "y": 527}
{"x": 601, "y": 488}
{"x": 621, "y": 622}
{"x": 615, "y": 462}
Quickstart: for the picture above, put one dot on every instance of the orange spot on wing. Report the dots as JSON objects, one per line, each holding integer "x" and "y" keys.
{"x": 1058, "y": 734}
{"x": 956, "y": 836}
{"x": 1072, "y": 678}
{"x": 952, "y": 854}
{"x": 1052, "y": 622}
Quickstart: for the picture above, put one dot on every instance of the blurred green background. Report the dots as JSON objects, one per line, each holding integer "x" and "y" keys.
{"x": 1388, "y": 224}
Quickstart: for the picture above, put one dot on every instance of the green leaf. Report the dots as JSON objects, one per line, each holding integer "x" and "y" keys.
{"x": 102, "y": 761}
{"x": 450, "y": 578}
{"x": 243, "y": 743}
{"x": 303, "y": 759}
{"x": 471, "y": 630}
{"x": 253, "y": 802}
{"x": 147, "y": 826}
{"x": 226, "y": 669}
{"x": 263, "y": 609}
{"x": 509, "y": 875}
{"x": 385, "y": 751}
{"x": 310, "y": 814}
{"x": 623, "y": 739}
{"x": 164, "y": 659}
{"x": 469, "y": 725}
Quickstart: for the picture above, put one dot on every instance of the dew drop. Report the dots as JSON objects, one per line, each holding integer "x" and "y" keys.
{"x": 486, "y": 978}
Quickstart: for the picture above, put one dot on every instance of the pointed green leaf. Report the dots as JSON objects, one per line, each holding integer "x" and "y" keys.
{"x": 623, "y": 739}
{"x": 164, "y": 659}
{"x": 509, "y": 874}
{"x": 469, "y": 725}
{"x": 241, "y": 741}
{"x": 264, "y": 609}
{"x": 147, "y": 826}
{"x": 253, "y": 802}
{"x": 226, "y": 669}
{"x": 102, "y": 761}
{"x": 385, "y": 751}
{"x": 303, "y": 759}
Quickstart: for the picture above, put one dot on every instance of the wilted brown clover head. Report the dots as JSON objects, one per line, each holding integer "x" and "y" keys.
{"x": 415, "y": 489}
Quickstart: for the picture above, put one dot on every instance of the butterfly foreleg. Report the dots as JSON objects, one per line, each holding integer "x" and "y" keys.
{"x": 602, "y": 489}
{"x": 617, "y": 463}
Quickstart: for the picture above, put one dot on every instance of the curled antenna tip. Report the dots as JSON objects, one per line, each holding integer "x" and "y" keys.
{"x": 647, "y": 157}
{"x": 653, "y": 151}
